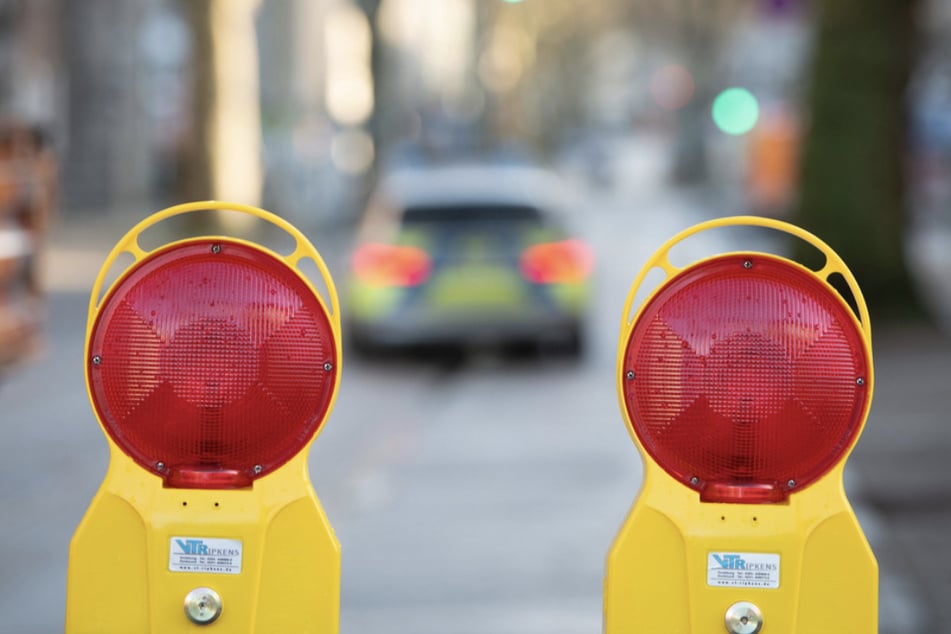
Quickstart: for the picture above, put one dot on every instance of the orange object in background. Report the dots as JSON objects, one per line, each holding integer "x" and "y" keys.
{"x": 28, "y": 186}
{"x": 773, "y": 162}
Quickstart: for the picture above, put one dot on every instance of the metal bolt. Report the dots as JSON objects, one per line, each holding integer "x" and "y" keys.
{"x": 790, "y": 483}
{"x": 860, "y": 381}
{"x": 743, "y": 618}
{"x": 328, "y": 366}
{"x": 747, "y": 264}
{"x": 160, "y": 466}
{"x": 258, "y": 468}
{"x": 96, "y": 360}
{"x": 202, "y": 606}
{"x": 695, "y": 480}
{"x": 630, "y": 375}
{"x": 216, "y": 248}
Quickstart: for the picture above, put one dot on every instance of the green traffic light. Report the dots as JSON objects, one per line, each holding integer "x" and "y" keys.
{"x": 735, "y": 111}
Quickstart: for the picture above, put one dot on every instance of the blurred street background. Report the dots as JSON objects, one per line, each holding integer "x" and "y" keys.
{"x": 478, "y": 493}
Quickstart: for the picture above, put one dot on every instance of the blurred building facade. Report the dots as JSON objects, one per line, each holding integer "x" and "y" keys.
{"x": 86, "y": 75}
{"x": 346, "y": 85}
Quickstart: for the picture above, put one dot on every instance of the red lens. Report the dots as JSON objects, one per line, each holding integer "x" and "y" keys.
{"x": 745, "y": 378}
{"x": 557, "y": 262}
{"x": 391, "y": 265}
{"x": 208, "y": 364}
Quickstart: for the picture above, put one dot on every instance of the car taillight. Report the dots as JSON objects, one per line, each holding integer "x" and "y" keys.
{"x": 211, "y": 363}
{"x": 556, "y": 262}
{"x": 744, "y": 378}
{"x": 391, "y": 265}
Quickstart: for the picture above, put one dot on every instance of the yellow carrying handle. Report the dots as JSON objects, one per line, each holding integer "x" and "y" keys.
{"x": 129, "y": 243}
{"x": 833, "y": 264}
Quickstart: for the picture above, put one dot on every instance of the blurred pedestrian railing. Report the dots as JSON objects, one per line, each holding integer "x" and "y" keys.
{"x": 28, "y": 189}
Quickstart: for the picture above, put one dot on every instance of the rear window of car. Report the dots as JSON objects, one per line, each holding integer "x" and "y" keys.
{"x": 472, "y": 214}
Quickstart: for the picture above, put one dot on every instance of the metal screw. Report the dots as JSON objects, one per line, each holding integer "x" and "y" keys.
{"x": 216, "y": 248}
{"x": 695, "y": 480}
{"x": 96, "y": 360}
{"x": 258, "y": 468}
{"x": 790, "y": 483}
{"x": 747, "y": 264}
{"x": 328, "y": 366}
{"x": 630, "y": 375}
{"x": 860, "y": 381}
{"x": 160, "y": 466}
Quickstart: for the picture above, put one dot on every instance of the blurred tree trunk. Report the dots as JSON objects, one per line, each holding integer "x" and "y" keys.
{"x": 376, "y": 124}
{"x": 699, "y": 31}
{"x": 107, "y": 161}
{"x": 371, "y": 8}
{"x": 199, "y": 154}
{"x": 700, "y": 38}
{"x": 853, "y": 190}
{"x": 224, "y": 159}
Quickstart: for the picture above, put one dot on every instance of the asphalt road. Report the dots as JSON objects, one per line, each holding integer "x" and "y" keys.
{"x": 470, "y": 498}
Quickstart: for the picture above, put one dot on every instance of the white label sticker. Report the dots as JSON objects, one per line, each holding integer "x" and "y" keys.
{"x": 743, "y": 570}
{"x": 205, "y": 554}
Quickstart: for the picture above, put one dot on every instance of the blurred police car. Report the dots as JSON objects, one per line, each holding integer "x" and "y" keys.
{"x": 467, "y": 255}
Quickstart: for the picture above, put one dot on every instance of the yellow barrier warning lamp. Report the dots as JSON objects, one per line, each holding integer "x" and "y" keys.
{"x": 211, "y": 363}
{"x": 745, "y": 379}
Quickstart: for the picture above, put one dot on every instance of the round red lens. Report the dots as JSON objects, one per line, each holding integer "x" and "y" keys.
{"x": 211, "y": 364}
{"x": 745, "y": 378}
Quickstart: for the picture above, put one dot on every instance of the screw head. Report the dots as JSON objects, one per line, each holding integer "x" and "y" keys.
{"x": 747, "y": 264}
{"x": 216, "y": 248}
{"x": 630, "y": 375}
{"x": 258, "y": 468}
{"x": 96, "y": 360}
{"x": 790, "y": 483}
{"x": 160, "y": 466}
{"x": 860, "y": 381}
{"x": 695, "y": 480}
{"x": 328, "y": 366}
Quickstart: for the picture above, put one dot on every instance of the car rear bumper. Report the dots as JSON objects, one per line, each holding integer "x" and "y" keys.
{"x": 465, "y": 331}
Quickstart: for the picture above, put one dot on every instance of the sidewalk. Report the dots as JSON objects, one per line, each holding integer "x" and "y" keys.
{"x": 77, "y": 247}
{"x": 898, "y": 471}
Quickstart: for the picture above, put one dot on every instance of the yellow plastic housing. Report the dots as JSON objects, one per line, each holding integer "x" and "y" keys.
{"x": 656, "y": 576}
{"x": 121, "y": 578}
